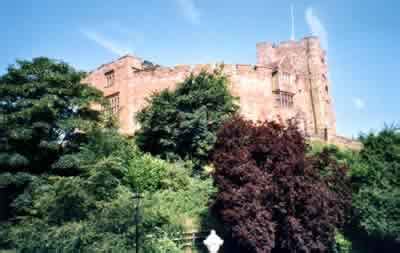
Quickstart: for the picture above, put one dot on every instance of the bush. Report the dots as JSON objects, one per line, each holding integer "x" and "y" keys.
{"x": 94, "y": 212}
{"x": 151, "y": 174}
{"x": 342, "y": 244}
{"x": 271, "y": 196}
{"x": 376, "y": 183}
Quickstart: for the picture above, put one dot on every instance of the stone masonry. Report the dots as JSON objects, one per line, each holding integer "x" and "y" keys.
{"x": 289, "y": 80}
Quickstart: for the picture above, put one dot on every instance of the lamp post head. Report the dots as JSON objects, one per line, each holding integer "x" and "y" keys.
{"x": 213, "y": 242}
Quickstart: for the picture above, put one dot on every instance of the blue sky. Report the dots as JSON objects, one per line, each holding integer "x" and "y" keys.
{"x": 361, "y": 38}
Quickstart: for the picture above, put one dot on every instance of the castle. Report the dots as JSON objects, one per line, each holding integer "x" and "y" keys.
{"x": 289, "y": 80}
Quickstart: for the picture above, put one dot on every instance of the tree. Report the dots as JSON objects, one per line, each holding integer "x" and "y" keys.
{"x": 271, "y": 195}
{"x": 77, "y": 196}
{"x": 376, "y": 193}
{"x": 42, "y": 105}
{"x": 44, "y": 112}
{"x": 183, "y": 123}
{"x": 94, "y": 211}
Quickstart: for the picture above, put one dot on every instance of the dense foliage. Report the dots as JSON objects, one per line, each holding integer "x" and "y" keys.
{"x": 183, "y": 123}
{"x": 376, "y": 183}
{"x": 374, "y": 226}
{"x": 272, "y": 196}
{"x": 67, "y": 177}
{"x": 42, "y": 104}
{"x": 44, "y": 112}
{"x": 94, "y": 212}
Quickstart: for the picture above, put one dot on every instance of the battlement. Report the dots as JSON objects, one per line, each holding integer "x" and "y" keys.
{"x": 268, "y": 53}
{"x": 228, "y": 69}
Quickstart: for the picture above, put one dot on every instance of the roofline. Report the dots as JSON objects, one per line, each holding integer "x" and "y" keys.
{"x": 116, "y": 60}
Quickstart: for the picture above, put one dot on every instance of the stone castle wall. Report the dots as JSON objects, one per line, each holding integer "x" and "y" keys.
{"x": 255, "y": 85}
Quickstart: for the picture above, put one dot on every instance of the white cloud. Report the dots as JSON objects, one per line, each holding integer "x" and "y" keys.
{"x": 189, "y": 10}
{"x": 111, "y": 45}
{"x": 359, "y": 103}
{"x": 317, "y": 27}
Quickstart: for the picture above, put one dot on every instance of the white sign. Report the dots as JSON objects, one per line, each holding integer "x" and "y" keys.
{"x": 213, "y": 242}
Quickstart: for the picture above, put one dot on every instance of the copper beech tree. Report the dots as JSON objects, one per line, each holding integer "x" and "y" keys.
{"x": 272, "y": 197}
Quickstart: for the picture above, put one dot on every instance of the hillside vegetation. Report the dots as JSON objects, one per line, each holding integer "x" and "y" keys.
{"x": 68, "y": 178}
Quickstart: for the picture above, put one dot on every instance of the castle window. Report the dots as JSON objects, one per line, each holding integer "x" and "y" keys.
{"x": 283, "y": 99}
{"x": 114, "y": 103}
{"x": 286, "y": 77}
{"x": 110, "y": 76}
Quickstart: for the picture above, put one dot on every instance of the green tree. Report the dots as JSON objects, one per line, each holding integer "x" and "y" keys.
{"x": 89, "y": 212}
{"x": 44, "y": 112}
{"x": 183, "y": 123}
{"x": 94, "y": 211}
{"x": 376, "y": 182}
{"x": 42, "y": 105}
{"x": 67, "y": 176}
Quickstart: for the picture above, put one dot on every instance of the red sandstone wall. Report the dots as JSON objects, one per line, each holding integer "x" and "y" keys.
{"x": 308, "y": 61}
{"x": 123, "y": 74}
{"x": 251, "y": 83}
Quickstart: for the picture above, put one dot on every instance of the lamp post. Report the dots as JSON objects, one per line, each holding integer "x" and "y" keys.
{"x": 137, "y": 196}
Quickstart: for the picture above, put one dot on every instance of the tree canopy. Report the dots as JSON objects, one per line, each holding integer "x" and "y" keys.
{"x": 271, "y": 195}
{"x": 183, "y": 123}
{"x": 376, "y": 183}
{"x": 67, "y": 177}
{"x": 94, "y": 211}
{"x": 42, "y": 106}
{"x": 45, "y": 111}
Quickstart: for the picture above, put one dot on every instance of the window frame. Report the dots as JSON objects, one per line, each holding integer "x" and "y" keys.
{"x": 286, "y": 77}
{"x": 110, "y": 78}
{"x": 284, "y": 99}
{"x": 114, "y": 101}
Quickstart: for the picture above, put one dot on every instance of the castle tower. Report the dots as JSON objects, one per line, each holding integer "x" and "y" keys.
{"x": 319, "y": 90}
{"x": 265, "y": 53}
{"x": 311, "y": 86}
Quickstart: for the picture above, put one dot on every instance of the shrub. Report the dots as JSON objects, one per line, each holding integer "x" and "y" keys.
{"x": 376, "y": 183}
{"x": 148, "y": 173}
{"x": 342, "y": 244}
{"x": 94, "y": 212}
{"x": 271, "y": 196}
